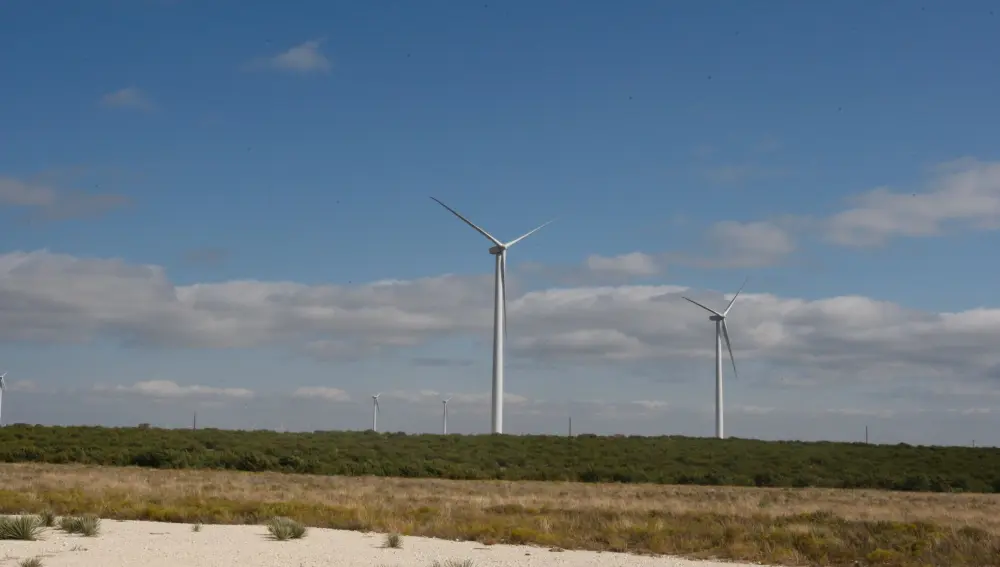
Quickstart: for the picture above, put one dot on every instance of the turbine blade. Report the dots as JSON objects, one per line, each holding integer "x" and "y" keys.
{"x": 729, "y": 345}
{"x": 503, "y": 290}
{"x": 726, "y": 312}
{"x": 703, "y": 307}
{"x": 470, "y": 223}
{"x": 529, "y": 233}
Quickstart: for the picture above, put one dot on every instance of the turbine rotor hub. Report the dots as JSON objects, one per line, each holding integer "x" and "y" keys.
{"x": 716, "y": 318}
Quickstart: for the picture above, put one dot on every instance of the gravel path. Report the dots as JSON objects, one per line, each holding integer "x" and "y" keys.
{"x": 153, "y": 544}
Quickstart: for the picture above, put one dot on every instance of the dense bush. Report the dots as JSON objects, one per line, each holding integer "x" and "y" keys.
{"x": 587, "y": 458}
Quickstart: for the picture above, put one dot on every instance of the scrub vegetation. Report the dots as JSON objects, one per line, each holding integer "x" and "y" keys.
{"x": 767, "y": 525}
{"x": 584, "y": 458}
{"x": 777, "y": 503}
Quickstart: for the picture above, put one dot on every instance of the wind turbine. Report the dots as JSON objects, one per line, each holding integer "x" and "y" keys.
{"x": 3, "y": 386}
{"x": 720, "y": 331}
{"x": 444, "y": 416}
{"x": 499, "y": 249}
{"x": 375, "y": 411}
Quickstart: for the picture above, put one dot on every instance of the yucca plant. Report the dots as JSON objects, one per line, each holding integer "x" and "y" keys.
{"x": 30, "y": 562}
{"x": 27, "y": 528}
{"x": 87, "y": 525}
{"x": 69, "y": 524}
{"x": 90, "y": 525}
{"x": 283, "y": 528}
{"x": 48, "y": 518}
{"x": 453, "y": 563}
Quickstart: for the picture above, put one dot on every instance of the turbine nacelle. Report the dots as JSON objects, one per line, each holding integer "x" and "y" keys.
{"x": 497, "y": 250}
{"x": 717, "y": 318}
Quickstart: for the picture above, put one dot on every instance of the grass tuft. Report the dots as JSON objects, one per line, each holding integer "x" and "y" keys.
{"x": 196, "y": 528}
{"x": 283, "y": 529}
{"x": 393, "y": 540}
{"x": 453, "y": 563}
{"x": 750, "y": 525}
{"x": 24, "y": 527}
{"x": 30, "y": 562}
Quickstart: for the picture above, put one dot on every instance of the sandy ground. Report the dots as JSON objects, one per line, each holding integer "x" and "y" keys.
{"x": 153, "y": 544}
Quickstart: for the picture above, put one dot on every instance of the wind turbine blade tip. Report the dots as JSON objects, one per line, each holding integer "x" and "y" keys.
{"x": 738, "y": 292}
{"x": 729, "y": 346}
{"x": 529, "y": 233}
{"x": 476, "y": 227}
{"x": 709, "y": 309}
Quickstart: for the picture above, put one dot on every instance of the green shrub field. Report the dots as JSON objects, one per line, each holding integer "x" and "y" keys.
{"x": 586, "y": 458}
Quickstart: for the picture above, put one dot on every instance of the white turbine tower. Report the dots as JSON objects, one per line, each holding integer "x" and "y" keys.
{"x": 444, "y": 416}
{"x": 3, "y": 386}
{"x": 499, "y": 249}
{"x": 375, "y": 411}
{"x": 721, "y": 331}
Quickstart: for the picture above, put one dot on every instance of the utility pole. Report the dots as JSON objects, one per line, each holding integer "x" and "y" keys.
{"x": 866, "y": 435}
{"x": 570, "y": 426}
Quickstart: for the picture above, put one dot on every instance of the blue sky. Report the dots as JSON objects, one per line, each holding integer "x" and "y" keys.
{"x": 223, "y": 142}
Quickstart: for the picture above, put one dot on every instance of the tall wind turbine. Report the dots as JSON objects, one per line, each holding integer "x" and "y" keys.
{"x": 3, "y": 386}
{"x": 720, "y": 331}
{"x": 499, "y": 249}
{"x": 375, "y": 411}
{"x": 444, "y": 416}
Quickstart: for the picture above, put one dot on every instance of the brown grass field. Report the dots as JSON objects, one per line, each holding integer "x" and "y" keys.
{"x": 777, "y": 526}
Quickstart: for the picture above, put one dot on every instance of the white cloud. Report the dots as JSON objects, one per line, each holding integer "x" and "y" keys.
{"x": 52, "y": 203}
{"x": 632, "y": 264}
{"x": 740, "y": 173}
{"x": 747, "y": 245}
{"x": 963, "y": 194}
{"x": 48, "y": 297}
{"x": 303, "y": 58}
{"x": 651, "y": 404}
{"x": 973, "y": 411}
{"x": 726, "y": 244}
{"x": 170, "y": 389}
{"x": 754, "y": 410}
{"x": 412, "y": 397}
{"x": 21, "y": 385}
{"x": 321, "y": 393}
{"x": 597, "y": 269}
{"x": 24, "y": 194}
{"x": 129, "y": 97}
{"x": 862, "y": 412}
{"x": 424, "y": 396}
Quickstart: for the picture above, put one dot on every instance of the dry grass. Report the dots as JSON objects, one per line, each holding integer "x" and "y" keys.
{"x": 790, "y": 526}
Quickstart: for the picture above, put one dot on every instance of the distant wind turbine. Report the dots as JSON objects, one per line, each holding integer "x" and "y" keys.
{"x": 3, "y": 386}
{"x": 499, "y": 249}
{"x": 721, "y": 331}
{"x": 375, "y": 411}
{"x": 444, "y": 416}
